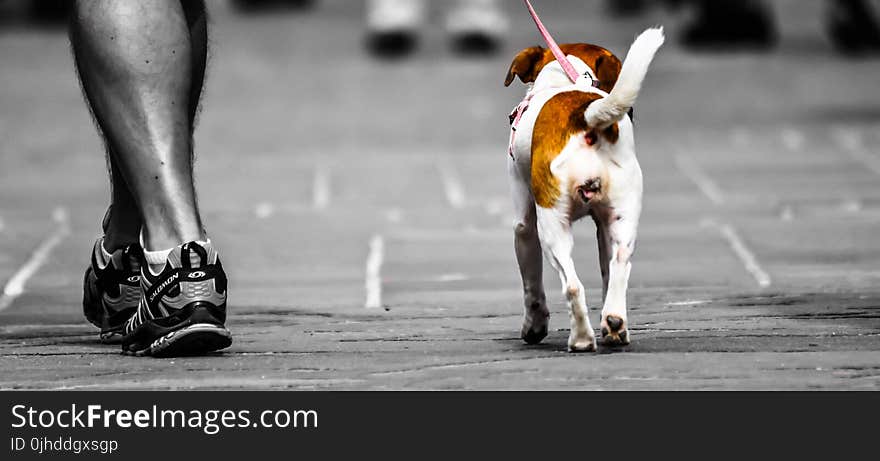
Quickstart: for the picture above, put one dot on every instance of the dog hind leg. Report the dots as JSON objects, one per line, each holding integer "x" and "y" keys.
{"x": 557, "y": 241}
{"x": 604, "y": 255}
{"x": 528, "y": 255}
{"x": 618, "y": 237}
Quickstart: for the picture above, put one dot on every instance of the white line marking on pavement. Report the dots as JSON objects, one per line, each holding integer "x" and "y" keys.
{"x": 374, "y": 272}
{"x": 445, "y": 278}
{"x": 451, "y": 186}
{"x": 851, "y": 141}
{"x": 851, "y": 206}
{"x": 16, "y": 284}
{"x": 847, "y": 138}
{"x": 321, "y": 188}
{"x": 440, "y": 278}
{"x": 2, "y": 224}
{"x": 873, "y": 163}
{"x": 742, "y": 251}
{"x": 787, "y": 214}
{"x": 394, "y": 215}
{"x": 706, "y": 185}
{"x": 793, "y": 139}
{"x": 264, "y": 210}
{"x": 687, "y": 303}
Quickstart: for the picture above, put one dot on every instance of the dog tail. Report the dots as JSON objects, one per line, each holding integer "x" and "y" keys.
{"x": 610, "y": 110}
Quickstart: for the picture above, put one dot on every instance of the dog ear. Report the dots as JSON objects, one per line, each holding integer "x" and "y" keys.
{"x": 524, "y": 65}
{"x": 607, "y": 70}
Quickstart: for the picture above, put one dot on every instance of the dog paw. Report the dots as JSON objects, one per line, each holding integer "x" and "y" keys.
{"x": 614, "y": 331}
{"x": 581, "y": 343}
{"x": 535, "y": 326}
{"x": 534, "y": 334}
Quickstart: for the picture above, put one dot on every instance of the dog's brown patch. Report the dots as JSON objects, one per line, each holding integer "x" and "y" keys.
{"x": 553, "y": 130}
{"x": 561, "y": 118}
{"x": 612, "y": 133}
{"x": 528, "y": 63}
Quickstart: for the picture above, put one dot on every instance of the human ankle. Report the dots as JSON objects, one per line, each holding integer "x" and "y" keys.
{"x": 116, "y": 241}
{"x": 156, "y": 251}
{"x": 164, "y": 241}
{"x": 120, "y": 230}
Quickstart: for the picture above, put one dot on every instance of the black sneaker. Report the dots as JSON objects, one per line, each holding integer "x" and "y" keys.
{"x": 730, "y": 25}
{"x": 854, "y": 27}
{"x": 183, "y": 309}
{"x": 112, "y": 290}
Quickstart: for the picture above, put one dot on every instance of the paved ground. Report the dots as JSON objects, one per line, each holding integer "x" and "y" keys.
{"x": 757, "y": 266}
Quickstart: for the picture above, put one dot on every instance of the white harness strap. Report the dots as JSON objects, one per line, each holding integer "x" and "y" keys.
{"x": 587, "y": 79}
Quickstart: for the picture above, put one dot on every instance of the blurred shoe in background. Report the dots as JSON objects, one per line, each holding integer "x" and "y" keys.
{"x": 43, "y": 13}
{"x": 730, "y": 24}
{"x": 50, "y": 11}
{"x": 394, "y": 27}
{"x": 251, "y": 6}
{"x": 626, "y": 8}
{"x": 476, "y": 26}
{"x": 853, "y": 27}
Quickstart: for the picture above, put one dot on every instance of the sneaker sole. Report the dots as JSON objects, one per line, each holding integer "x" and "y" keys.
{"x": 111, "y": 337}
{"x": 195, "y": 339}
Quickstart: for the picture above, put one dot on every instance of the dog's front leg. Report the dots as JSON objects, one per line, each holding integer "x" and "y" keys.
{"x": 617, "y": 240}
{"x": 528, "y": 255}
{"x": 557, "y": 241}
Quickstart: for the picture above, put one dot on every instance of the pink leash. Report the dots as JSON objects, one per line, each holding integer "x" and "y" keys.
{"x": 554, "y": 48}
{"x": 572, "y": 74}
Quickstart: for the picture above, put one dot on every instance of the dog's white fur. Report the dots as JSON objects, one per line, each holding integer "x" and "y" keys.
{"x": 548, "y": 230}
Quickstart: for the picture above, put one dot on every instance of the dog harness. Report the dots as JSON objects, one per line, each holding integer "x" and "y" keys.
{"x": 572, "y": 74}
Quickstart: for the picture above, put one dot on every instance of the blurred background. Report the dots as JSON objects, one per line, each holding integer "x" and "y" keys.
{"x": 329, "y": 123}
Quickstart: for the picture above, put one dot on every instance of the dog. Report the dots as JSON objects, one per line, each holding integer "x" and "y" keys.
{"x": 572, "y": 155}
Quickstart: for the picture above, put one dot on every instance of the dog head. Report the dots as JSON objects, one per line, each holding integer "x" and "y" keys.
{"x": 528, "y": 63}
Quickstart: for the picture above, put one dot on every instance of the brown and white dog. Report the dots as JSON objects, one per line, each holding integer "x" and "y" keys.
{"x": 573, "y": 155}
